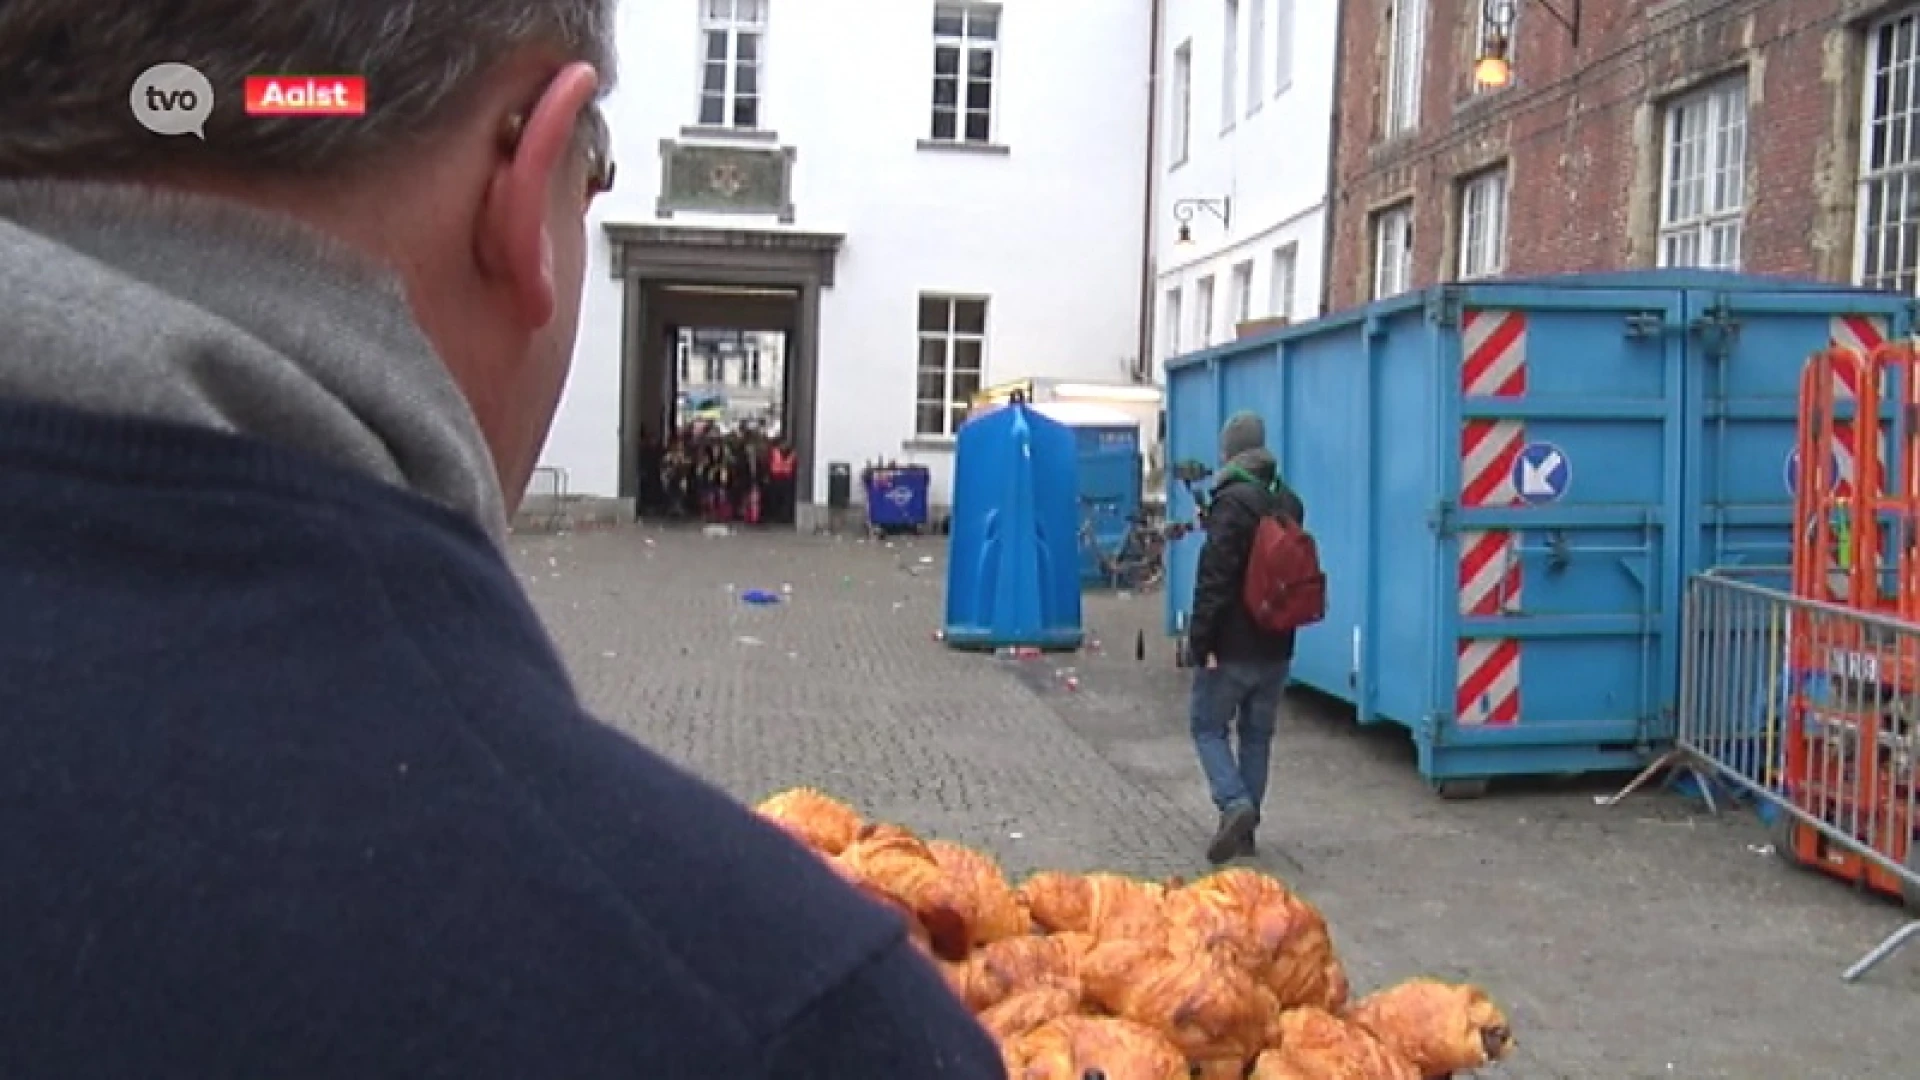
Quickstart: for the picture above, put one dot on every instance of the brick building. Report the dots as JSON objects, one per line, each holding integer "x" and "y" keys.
{"x": 1773, "y": 136}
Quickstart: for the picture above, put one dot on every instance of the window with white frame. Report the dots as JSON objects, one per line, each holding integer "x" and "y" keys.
{"x": 683, "y": 357}
{"x": 953, "y": 345}
{"x": 1406, "y": 51}
{"x": 1703, "y": 197}
{"x": 1483, "y": 224}
{"x": 1392, "y": 251}
{"x": 1256, "y": 55}
{"x": 966, "y": 54}
{"x": 1889, "y": 230}
{"x": 1174, "y": 328}
{"x": 1180, "y": 124}
{"x": 1203, "y": 312}
{"x": 750, "y": 366}
{"x": 1280, "y": 286}
{"x": 1229, "y": 64}
{"x": 1282, "y": 46}
{"x": 1242, "y": 294}
{"x": 733, "y": 35}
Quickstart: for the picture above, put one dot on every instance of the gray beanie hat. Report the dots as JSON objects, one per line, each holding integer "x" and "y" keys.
{"x": 1244, "y": 431}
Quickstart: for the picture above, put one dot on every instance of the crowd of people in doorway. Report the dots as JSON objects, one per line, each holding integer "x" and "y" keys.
{"x": 705, "y": 473}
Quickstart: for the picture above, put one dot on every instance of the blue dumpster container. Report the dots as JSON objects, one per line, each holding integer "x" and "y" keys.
{"x": 1511, "y": 483}
{"x": 1012, "y": 560}
{"x": 897, "y": 498}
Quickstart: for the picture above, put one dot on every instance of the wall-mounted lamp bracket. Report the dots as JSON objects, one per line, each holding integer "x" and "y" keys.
{"x": 1222, "y": 208}
{"x": 1499, "y": 16}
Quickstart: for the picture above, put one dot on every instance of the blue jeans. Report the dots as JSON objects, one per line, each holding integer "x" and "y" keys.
{"x": 1244, "y": 698}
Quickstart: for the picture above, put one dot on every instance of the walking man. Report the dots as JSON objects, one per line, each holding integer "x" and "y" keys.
{"x": 1240, "y": 667}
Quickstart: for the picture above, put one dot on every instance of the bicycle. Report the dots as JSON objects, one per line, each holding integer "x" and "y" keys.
{"x": 1138, "y": 562}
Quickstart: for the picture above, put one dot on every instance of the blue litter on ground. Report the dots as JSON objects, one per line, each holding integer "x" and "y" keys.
{"x": 760, "y": 596}
{"x": 1690, "y": 786}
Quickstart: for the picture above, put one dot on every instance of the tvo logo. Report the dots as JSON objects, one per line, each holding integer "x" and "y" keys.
{"x": 172, "y": 99}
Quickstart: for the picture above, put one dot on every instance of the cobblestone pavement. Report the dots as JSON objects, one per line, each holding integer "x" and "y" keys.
{"x": 1642, "y": 940}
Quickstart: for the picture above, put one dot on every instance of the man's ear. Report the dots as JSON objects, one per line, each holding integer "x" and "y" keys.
{"x": 514, "y": 247}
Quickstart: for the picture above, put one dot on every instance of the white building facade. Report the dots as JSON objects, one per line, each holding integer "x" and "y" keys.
{"x": 1241, "y": 164}
{"x": 975, "y": 174}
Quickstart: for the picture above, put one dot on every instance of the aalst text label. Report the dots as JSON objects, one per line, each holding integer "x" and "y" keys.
{"x": 306, "y": 95}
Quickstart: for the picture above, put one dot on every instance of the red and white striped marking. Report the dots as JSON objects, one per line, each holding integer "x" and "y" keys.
{"x": 1494, "y": 366}
{"x": 1489, "y": 691}
{"x": 1860, "y": 334}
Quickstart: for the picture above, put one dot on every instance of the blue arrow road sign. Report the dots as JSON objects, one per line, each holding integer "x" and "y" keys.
{"x": 1542, "y": 473}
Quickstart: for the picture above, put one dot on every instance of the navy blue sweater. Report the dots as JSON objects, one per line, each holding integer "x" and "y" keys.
{"x": 292, "y": 784}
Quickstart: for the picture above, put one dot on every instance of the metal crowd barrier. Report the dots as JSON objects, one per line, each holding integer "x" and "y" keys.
{"x": 545, "y": 502}
{"x": 1812, "y": 708}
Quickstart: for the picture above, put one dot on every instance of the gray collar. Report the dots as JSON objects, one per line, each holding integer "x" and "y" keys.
{"x": 136, "y": 302}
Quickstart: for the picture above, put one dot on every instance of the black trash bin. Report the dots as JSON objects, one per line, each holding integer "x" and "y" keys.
{"x": 839, "y": 485}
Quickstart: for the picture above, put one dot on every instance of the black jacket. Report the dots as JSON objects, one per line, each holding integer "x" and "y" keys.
{"x": 1220, "y": 625}
{"x": 296, "y": 786}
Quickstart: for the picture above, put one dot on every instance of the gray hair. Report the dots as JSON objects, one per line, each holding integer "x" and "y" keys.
{"x": 67, "y": 69}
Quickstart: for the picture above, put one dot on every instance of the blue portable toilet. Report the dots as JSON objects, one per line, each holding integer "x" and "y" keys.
{"x": 1107, "y": 448}
{"x": 1013, "y": 556}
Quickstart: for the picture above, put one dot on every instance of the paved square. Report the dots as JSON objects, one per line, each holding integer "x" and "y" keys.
{"x": 1643, "y": 940}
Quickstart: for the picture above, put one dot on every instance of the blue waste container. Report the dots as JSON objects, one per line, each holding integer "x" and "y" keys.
{"x": 1013, "y": 559}
{"x": 897, "y": 498}
{"x": 1511, "y": 483}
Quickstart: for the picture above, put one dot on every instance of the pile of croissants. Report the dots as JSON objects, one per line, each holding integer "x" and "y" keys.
{"x": 1103, "y": 977}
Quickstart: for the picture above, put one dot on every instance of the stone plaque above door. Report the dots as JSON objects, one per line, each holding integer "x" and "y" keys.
{"x": 708, "y": 179}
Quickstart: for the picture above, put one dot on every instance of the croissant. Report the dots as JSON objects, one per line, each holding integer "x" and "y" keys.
{"x": 1106, "y": 905}
{"x": 895, "y": 862}
{"x": 1217, "y": 1069}
{"x": 1203, "y": 919}
{"x": 1211, "y": 1010}
{"x": 817, "y": 820}
{"x": 1317, "y": 1045}
{"x": 996, "y": 972}
{"x": 1074, "y": 1047}
{"x": 1109, "y": 968}
{"x": 993, "y": 910}
{"x": 1266, "y": 929}
{"x": 916, "y": 931}
{"x": 1058, "y": 901}
{"x": 1442, "y": 1028}
{"x": 1027, "y": 1010}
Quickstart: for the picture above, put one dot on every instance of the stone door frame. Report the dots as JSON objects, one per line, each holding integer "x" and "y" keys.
{"x": 648, "y": 256}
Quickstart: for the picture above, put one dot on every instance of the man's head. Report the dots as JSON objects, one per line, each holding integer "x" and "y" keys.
{"x": 1244, "y": 431}
{"x": 469, "y": 174}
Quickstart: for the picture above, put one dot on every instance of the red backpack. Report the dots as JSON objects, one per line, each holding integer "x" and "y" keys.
{"x": 1285, "y": 587}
